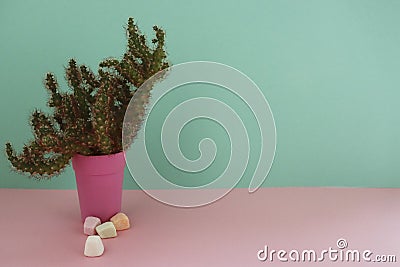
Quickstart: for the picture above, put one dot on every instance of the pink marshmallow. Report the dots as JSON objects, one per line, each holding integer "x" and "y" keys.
{"x": 90, "y": 224}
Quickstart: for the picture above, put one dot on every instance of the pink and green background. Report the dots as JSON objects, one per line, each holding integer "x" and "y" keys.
{"x": 330, "y": 71}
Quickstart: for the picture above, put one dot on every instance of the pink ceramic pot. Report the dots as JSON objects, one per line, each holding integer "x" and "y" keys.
{"x": 99, "y": 181}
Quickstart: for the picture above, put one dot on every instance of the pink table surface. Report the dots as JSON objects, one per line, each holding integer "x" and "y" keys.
{"x": 43, "y": 228}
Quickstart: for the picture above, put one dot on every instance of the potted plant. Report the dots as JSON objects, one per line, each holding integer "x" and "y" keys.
{"x": 87, "y": 121}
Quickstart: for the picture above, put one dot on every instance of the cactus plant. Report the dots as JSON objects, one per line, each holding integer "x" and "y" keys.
{"x": 88, "y": 119}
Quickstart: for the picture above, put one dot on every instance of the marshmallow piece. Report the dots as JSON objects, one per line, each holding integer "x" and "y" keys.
{"x": 94, "y": 246}
{"x": 120, "y": 221}
{"x": 90, "y": 224}
{"x": 106, "y": 230}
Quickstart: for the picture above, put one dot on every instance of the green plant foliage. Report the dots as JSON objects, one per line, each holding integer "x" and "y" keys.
{"x": 88, "y": 119}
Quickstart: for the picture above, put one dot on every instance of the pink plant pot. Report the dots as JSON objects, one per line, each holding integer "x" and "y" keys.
{"x": 99, "y": 181}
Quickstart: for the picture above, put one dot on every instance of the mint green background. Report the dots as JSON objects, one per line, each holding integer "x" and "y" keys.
{"x": 329, "y": 69}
